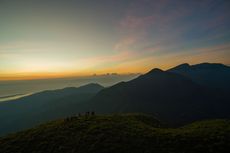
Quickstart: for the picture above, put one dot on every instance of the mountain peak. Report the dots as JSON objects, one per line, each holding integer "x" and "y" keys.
{"x": 184, "y": 65}
{"x": 155, "y": 70}
{"x": 181, "y": 67}
{"x": 93, "y": 85}
{"x": 206, "y": 65}
{"x": 215, "y": 75}
{"x": 210, "y": 65}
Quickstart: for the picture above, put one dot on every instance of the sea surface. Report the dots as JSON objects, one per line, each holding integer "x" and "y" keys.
{"x": 10, "y": 90}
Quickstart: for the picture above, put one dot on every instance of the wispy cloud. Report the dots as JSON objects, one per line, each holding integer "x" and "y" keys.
{"x": 169, "y": 26}
{"x": 134, "y": 35}
{"x": 139, "y": 30}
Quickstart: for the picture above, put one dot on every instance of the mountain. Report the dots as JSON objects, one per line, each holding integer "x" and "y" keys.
{"x": 171, "y": 97}
{"x": 208, "y": 74}
{"x": 43, "y": 106}
{"x": 119, "y": 133}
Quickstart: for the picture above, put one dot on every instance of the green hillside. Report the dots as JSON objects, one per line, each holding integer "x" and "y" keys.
{"x": 119, "y": 133}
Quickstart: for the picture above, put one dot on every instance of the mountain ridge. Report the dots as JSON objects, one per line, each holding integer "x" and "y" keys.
{"x": 164, "y": 94}
{"x": 43, "y": 106}
{"x": 214, "y": 75}
{"x": 119, "y": 133}
{"x": 170, "y": 96}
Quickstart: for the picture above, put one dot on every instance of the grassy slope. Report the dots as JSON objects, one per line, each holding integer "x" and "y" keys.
{"x": 117, "y": 134}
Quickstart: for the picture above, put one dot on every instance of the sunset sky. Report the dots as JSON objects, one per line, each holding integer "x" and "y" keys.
{"x": 57, "y": 38}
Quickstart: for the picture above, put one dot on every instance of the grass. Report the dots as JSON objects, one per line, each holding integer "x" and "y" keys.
{"x": 119, "y": 133}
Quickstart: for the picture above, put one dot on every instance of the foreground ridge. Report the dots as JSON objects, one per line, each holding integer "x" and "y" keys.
{"x": 119, "y": 133}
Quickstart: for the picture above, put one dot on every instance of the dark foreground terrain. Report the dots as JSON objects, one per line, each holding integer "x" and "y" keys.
{"x": 119, "y": 133}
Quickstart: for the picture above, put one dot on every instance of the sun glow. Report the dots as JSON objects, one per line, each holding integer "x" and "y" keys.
{"x": 42, "y": 40}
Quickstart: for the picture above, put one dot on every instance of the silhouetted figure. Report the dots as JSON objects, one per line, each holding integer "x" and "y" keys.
{"x": 92, "y": 113}
{"x": 87, "y": 114}
{"x": 72, "y": 118}
{"x": 79, "y": 114}
{"x": 67, "y": 119}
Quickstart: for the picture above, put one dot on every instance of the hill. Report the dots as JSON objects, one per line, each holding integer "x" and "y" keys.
{"x": 169, "y": 96}
{"x": 136, "y": 133}
{"x": 43, "y": 106}
{"x": 209, "y": 74}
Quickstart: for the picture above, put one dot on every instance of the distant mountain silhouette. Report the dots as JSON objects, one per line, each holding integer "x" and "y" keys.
{"x": 169, "y": 96}
{"x": 177, "y": 96}
{"x": 43, "y": 106}
{"x": 208, "y": 74}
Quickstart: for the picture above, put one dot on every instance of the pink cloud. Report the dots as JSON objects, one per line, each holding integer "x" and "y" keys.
{"x": 134, "y": 22}
{"x": 125, "y": 42}
{"x": 217, "y": 48}
{"x": 134, "y": 30}
{"x": 119, "y": 57}
{"x": 135, "y": 27}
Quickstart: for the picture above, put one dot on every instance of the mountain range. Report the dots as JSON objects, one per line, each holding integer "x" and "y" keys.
{"x": 176, "y": 96}
{"x": 44, "y": 106}
{"x": 212, "y": 75}
{"x": 171, "y": 97}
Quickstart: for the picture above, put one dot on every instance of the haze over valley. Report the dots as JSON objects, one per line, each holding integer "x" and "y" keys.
{"x": 114, "y": 76}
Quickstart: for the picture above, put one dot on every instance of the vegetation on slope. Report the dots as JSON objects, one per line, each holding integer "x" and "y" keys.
{"x": 119, "y": 133}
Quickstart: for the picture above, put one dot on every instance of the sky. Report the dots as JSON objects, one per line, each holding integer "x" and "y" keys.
{"x": 58, "y": 38}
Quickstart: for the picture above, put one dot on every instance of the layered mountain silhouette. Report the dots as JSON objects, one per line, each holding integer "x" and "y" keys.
{"x": 43, "y": 106}
{"x": 177, "y": 96}
{"x": 209, "y": 74}
{"x": 171, "y": 97}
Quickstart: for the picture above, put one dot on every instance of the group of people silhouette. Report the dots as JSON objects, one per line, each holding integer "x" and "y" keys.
{"x": 86, "y": 114}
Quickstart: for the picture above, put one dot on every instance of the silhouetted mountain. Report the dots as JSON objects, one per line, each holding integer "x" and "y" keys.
{"x": 208, "y": 74}
{"x": 169, "y": 96}
{"x": 120, "y": 133}
{"x": 172, "y": 97}
{"x": 43, "y": 106}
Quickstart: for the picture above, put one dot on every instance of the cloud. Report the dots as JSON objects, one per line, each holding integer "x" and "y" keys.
{"x": 107, "y": 59}
{"x": 133, "y": 22}
{"x": 169, "y": 25}
{"x": 141, "y": 30}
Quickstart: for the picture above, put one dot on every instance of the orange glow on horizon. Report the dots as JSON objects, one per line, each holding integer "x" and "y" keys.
{"x": 131, "y": 67}
{"x": 54, "y": 75}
